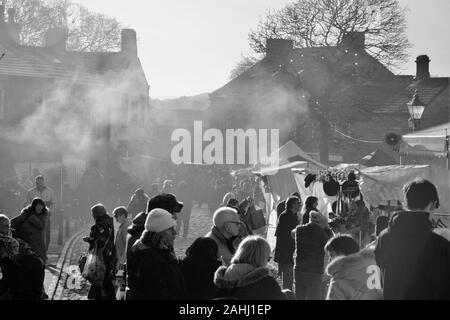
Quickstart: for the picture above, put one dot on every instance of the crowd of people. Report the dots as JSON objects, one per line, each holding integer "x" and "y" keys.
{"x": 405, "y": 259}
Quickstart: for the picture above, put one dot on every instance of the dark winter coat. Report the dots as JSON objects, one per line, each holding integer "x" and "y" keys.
{"x": 285, "y": 245}
{"x": 310, "y": 241}
{"x": 414, "y": 261}
{"x": 135, "y": 231}
{"x": 154, "y": 275}
{"x": 245, "y": 282}
{"x": 350, "y": 276}
{"x": 33, "y": 229}
{"x": 198, "y": 273}
{"x": 102, "y": 236}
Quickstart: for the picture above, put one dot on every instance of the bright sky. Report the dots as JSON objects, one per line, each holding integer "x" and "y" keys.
{"x": 189, "y": 47}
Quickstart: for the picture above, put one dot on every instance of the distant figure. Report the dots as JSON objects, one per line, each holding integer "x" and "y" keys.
{"x": 414, "y": 261}
{"x": 102, "y": 237}
{"x": 154, "y": 190}
{"x": 198, "y": 268}
{"x": 226, "y": 226}
{"x": 350, "y": 270}
{"x": 184, "y": 218}
{"x": 167, "y": 187}
{"x": 121, "y": 216}
{"x": 285, "y": 244}
{"x": 311, "y": 204}
{"x": 42, "y": 192}
{"x": 138, "y": 202}
{"x": 248, "y": 278}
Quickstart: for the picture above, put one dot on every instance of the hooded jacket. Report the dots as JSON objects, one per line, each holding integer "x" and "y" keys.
{"x": 245, "y": 282}
{"x": 33, "y": 229}
{"x": 285, "y": 245}
{"x": 414, "y": 261}
{"x": 350, "y": 277}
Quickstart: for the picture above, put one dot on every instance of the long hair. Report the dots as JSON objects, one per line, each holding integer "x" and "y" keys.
{"x": 253, "y": 250}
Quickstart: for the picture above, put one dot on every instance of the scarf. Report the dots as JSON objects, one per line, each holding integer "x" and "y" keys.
{"x": 230, "y": 242}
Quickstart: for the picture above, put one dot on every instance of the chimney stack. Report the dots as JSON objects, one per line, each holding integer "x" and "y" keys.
{"x": 423, "y": 67}
{"x": 56, "y": 39}
{"x": 276, "y": 47}
{"x": 354, "y": 40}
{"x": 129, "y": 42}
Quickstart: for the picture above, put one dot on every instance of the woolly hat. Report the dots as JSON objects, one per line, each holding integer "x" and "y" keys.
{"x": 159, "y": 220}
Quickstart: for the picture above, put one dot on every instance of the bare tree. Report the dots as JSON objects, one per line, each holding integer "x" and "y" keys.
{"x": 87, "y": 30}
{"x": 316, "y": 23}
{"x": 245, "y": 63}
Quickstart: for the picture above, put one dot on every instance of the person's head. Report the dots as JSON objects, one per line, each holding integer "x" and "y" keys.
{"x": 98, "y": 211}
{"x": 5, "y": 225}
{"x": 121, "y": 214}
{"x": 167, "y": 184}
{"x": 421, "y": 195}
{"x": 161, "y": 222}
{"x": 253, "y": 250}
{"x": 139, "y": 193}
{"x": 227, "y": 221}
{"x": 296, "y": 194}
{"x": 318, "y": 218}
{"x": 154, "y": 189}
{"x": 341, "y": 245}
{"x": 228, "y": 197}
{"x": 38, "y": 206}
{"x": 40, "y": 182}
{"x": 167, "y": 202}
{"x": 382, "y": 223}
{"x": 293, "y": 205}
{"x": 204, "y": 247}
{"x": 311, "y": 203}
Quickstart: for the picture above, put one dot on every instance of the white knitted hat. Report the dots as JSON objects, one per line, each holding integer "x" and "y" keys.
{"x": 159, "y": 220}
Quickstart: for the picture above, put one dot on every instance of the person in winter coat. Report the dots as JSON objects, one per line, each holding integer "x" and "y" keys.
{"x": 33, "y": 226}
{"x": 101, "y": 238}
{"x": 22, "y": 270}
{"x": 138, "y": 203}
{"x": 281, "y": 207}
{"x": 309, "y": 255}
{"x": 167, "y": 202}
{"x": 155, "y": 272}
{"x": 354, "y": 274}
{"x": 225, "y": 230}
{"x": 199, "y": 267}
{"x": 248, "y": 278}
{"x": 285, "y": 244}
{"x": 121, "y": 216}
{"x": 414, "y": 261}
{"x": 185, "y": 215}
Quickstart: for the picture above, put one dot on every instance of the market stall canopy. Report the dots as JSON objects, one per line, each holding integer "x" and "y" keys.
{"x": 378, "y": 158}
{"x": 286, "y": 155}
{"x": 382, "y": 184}
{"x": 430, "y": 142}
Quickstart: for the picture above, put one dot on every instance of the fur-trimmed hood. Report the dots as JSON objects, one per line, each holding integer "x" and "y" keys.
{"x": 352, "y": 267}
{"x": 239, "y": 275}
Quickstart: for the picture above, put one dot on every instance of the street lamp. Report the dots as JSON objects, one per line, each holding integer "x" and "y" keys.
{"x": 416, "y": 108}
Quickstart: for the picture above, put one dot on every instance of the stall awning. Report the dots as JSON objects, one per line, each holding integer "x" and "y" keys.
{"x": 427, "y": 143}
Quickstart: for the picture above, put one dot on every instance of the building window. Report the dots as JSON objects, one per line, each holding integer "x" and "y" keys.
{"x": 2, "y": 104}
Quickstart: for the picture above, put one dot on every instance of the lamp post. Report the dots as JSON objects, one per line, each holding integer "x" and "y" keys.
{"x": 416, "y": 108}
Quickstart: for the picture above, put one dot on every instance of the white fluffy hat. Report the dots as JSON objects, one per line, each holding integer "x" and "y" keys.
{"x": 159, "y": 220}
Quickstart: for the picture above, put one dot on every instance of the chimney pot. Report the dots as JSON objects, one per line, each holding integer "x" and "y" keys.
{"x": 423, "y": 67}
{"x": 129, "y": 42}
{"x": 276, "y": 47}
{"x": 355, "y": 40}
{"x": 56, "y": 39}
